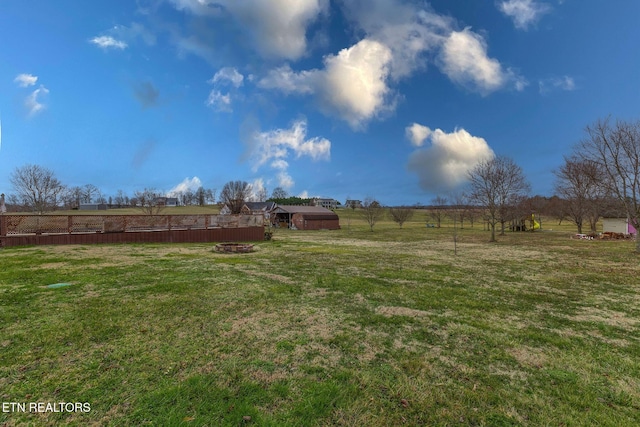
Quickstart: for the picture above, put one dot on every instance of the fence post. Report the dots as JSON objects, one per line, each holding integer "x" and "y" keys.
{"x": 69, "y": 224}
{"x": 3, "y": 225}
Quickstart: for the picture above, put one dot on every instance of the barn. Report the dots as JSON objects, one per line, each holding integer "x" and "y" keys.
{"x": 617, "y": 225}
{"x": 305, "y": 218}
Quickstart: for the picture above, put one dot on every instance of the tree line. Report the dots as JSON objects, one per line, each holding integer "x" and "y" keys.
{"x": 600, "y": 177}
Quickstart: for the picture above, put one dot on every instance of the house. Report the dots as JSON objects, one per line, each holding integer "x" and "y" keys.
{"x": 353, "y": 203}
{"x": 617, "y": 225}
{"x": 257, "y": 207}
{"x": 325, "y": 203}
{"x": 166, "y": 201}
{"x": 305, "y": 218}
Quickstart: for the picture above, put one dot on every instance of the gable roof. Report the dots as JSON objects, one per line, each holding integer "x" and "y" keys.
{"x": 308, "y": 210}
{"x": 258, "y": 206}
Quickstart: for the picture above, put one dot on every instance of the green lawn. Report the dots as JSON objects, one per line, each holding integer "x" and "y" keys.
{"x": 347, "y": 327}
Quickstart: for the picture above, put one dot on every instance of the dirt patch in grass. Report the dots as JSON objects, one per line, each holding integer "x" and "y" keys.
{"x": 529, "y": 357}
{"x": 608, "y": 317}
{"x": 401, "y": 311}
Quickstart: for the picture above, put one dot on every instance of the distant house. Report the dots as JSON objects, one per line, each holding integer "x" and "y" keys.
{"x": 225, "y": 210}
{"x": 617, "y": 225}
{"x": 93, "y": 207}
{"x": 305, "y": 218}
{"x": 166, "y": 201}
{"x": 353, "y": 203}
{"x": 325, "y": 203}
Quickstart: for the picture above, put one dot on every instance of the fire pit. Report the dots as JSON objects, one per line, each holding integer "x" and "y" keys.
{"x": 234, "y": 247}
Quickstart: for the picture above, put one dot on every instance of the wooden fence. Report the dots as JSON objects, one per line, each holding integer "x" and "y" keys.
{"x": 18, "y": 230}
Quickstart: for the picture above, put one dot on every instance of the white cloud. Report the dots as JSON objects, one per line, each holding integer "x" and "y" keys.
{"x": 464, "y": 60}
{"x": 304, "y": 194}
{"x": 108, "y": 42}
{"x": 274, "y": 147}
{"x": 219, "y": 101}
{"x": 224, "y": 77}
{"x": 33, "y": 101}
{"x": 277, "y": 27}
{"x": 258, "y": 190}
{"x": 227, "y": 75}
{"x": 25, "y": 80}
{"x": 187, "y": 184}
{"x": 352, "y": 85}
{"x": 417, "y": 133}
{"x": 288, "y": 81}
{"x": 444, "y": 164}
{"x": 565, "y": 83}
{"x": 523, "y": 12}
{"x": 285, "y": 180}
{"x": 356, "y": 83}
{"x": 409, "y": 32}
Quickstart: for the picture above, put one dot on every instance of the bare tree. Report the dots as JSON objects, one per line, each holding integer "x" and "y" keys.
{"x": 401, "y": 214}
{"x": 89, "y": 193}
{"x": 211, "y": 195}
{"x": 616, "y": 149}
{"x": 148, "y": 201}
{"x": 36, "y": 187}
{"x": 279, "y": 193}
{"x": 372, "y": 211}
{"x": 497, "y": 184}
{"x": 234, "y": 194}
{"x": 579, "y": 183}
{"x": 119, "y": 200}
{"x": 438, "y": 209}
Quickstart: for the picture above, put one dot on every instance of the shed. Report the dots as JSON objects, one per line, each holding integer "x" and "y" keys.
{"x": 306, "y": 218}
{"x": 617, "y": 225}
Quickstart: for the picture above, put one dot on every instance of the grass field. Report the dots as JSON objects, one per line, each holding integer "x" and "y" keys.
{"x": 343, "y": 327}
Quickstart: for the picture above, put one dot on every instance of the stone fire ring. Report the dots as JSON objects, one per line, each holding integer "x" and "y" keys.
{"x": 234, "y": 247}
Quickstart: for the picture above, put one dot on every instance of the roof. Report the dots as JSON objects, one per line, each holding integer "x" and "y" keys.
{"x": 311, "y": 210}
{"x": 256, "y": 206}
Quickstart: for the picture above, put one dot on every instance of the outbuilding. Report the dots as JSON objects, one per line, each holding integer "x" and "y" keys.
{"x": 305, "y": 218}
{"x": 618, "y": 225}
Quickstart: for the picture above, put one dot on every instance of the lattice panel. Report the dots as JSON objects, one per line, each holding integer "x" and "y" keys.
{"x": 147, "y": 223}
{"x": 35, "y": 224}
{"x": 187, "y": 222}
{"x": 77, "y": 224}
{"x": 86, "y": 224}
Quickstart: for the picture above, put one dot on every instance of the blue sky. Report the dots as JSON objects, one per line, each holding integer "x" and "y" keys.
{"x": 348, "y": 98}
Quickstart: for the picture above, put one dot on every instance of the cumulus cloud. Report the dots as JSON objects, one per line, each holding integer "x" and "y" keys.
{"x": 523, "y": 12}
{"x": 465, "y": 61}
{"x": 443, "y": 165}
{"x": 408, "y": 31}
{"x": 352, "y": 85}
{"x": 219, "y": 102}
{"x": 274, "y": 148}
{"x": 33, "y": 102}
{"x": 356, "y": 84}
{"x": 25, "y": 80}
{"x": 108, "y": 42}
{"x": 187, "y": 184}
{"x": 277, "y": 27}
{"x": 227, "y": 75}
{"x": 565, "y": 83}
{"x": 417, "y": 133}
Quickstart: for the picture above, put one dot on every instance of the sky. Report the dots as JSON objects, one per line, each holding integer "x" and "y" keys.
{"x": 390, "y": 99}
